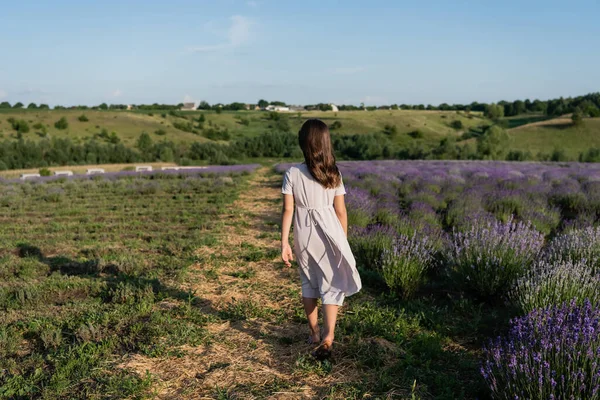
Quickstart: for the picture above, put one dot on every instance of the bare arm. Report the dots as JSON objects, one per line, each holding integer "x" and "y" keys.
{"x": 340, "y": 210}
{"x": 286, "y": 224}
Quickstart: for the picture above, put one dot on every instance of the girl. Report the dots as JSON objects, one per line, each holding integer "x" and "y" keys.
{"x": 327, "y": 266}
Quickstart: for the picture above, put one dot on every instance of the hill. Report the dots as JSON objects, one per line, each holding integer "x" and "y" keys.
{"x": 128, "y": 125}
{"x": 557, "y": 134}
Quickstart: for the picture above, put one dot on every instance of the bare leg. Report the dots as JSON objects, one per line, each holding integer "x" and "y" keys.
{"x": 312, "y": 313}
{"x": 329, "y": 319}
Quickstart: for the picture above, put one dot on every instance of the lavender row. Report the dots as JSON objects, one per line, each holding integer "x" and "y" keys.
{"x": 208, "y": 170}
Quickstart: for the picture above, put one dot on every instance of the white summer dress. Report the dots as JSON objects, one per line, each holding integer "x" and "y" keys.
{"x": 327, "y": 266}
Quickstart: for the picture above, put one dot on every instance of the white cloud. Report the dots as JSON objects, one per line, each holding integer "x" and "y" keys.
{"x": 348, "y": 70}
{"x": 3, "y": 94}
{"x": 117, "y": 93}
{"x": 252, "y": 3}
{"x": 238, "y": 34}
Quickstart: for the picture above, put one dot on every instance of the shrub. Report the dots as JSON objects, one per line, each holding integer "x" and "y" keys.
{"x": 416, "y": 134}
{"x": 83, "y": 118}
{"x": 577, "y": 245}
{"x": 160, "y": 132}
{"x": 577, "y": 117}
{"x": 390, "y": 130}
{"x": 550, "y": 353}
{"x": 369, "y": 244}
{"x": 489, "y": 256}
{"x": 457, "y": 124}
{"x": 335, "y": 125}
{"x": 551, "y": 284}
{"x": 184, "y": 126}
{"x": 61, "y": 124}
{"x": 217, "y": 134}
{"x": 38, "y": 125}
{"x": 361, "y": 206}
{"x": 19, "y": 125}
{"x": 404, "y": 264}
{"x": 45, "y": 172}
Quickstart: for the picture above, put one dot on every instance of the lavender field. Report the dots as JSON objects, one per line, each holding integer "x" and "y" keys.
{"x": 520, "y": 240}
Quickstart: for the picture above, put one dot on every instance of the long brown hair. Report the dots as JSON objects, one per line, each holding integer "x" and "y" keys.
{"x": 315, "y": 143}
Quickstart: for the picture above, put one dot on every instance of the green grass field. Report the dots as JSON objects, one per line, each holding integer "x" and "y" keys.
{"x": 557, "y": 134}
{"x": 128, "y": 125}
{"x": 532, "y": 132}
{"x": 92, "y": 271}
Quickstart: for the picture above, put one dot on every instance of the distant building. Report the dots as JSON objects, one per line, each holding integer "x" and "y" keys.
{"x": 129, "y": 107}
{"x": 334, "y": 108}
{"x": 277, "y": 108}
{"x": 188, "y": 107}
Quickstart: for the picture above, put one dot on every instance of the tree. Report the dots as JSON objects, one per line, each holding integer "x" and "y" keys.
{"x": 44, "y": 107}
{"x": 166, "y": 154}
{"x": 263, "y": 103}
{"x": 61, "y": 124}
{"x": 492, "y": 144}
{"x": 144, "y": 142}
{"x": 5, "y": 104}
{"x": 18, "y": 105}
{"x": 203, "y": 105}
{"x": 577, "y": 117}
{"x": 519, "y": 107}
{"x": 103, "y": 106}
{"x": 494, "y": 112}
{"x": 457, "y": 124}
{"x": 32, "y": 106}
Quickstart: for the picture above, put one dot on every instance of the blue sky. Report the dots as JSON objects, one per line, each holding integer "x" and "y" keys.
{"x": 377, "y": 52}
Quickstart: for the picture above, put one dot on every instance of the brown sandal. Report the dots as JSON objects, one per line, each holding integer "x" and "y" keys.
{"x": 323, "y": 352}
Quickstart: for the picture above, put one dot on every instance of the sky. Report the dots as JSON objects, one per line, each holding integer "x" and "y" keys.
{"x": 70, "y": 52}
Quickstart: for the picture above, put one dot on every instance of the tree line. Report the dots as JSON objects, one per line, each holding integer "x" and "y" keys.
{"x": 588, "y": 105}
{"x": 491, "y": 144}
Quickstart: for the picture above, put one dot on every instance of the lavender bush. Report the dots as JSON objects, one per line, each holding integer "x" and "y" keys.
{"x": 360, "y": 205}
{"x": 551, "y": 284}
{"x": 551, "y": 353}
{"x": 488, "y": 257}
{"x": 576, "y": 245}
{"x": 404, "y": 264}
{"x": 369, "y": 243}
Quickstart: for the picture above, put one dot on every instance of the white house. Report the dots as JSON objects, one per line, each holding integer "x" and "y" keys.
{"x": 143, "y": 168}
{"x": 188, "y": 107}
{"x": 94, "y": 171}
{"x": 334, "y": 108}
{"x": 277, "y": 108}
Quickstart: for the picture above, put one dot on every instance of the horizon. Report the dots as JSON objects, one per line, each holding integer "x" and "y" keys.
{"x": 242, "y": 51}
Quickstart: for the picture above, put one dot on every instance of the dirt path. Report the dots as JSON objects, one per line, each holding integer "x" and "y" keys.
{"x": 255, "y": 338}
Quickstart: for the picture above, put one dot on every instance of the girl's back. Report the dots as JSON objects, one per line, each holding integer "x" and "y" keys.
{"x": 306, "y": 190}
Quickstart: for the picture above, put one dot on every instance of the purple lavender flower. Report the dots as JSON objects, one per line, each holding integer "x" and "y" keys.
{"x": 576, "y": 245}
{"x": 491, "y": 255}
{"x": 404, "y": 264}
{"x": 550, "y": 284}
{"x": 549, "y": 353}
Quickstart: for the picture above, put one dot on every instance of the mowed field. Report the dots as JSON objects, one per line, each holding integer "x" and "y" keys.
{"x": 557, "y": 134}
{"x": 128, "y": 125}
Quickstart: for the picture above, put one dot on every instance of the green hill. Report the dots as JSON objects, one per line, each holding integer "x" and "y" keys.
{"x": 557, "y": 134}
{"x": 128, "y": 125}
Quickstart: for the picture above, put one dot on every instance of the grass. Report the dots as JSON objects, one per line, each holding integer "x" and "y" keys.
{"x": 561, "y": 134}
{"x": 128, "y": 125}
{"x": 93, "y": 273}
